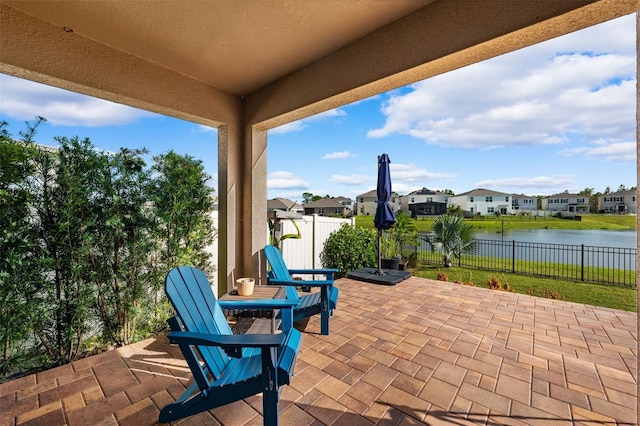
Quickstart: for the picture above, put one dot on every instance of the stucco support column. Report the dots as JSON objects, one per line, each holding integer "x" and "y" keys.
{"x": 229, "y": 157}
{"x": 242, "y": 173}
{"x": 254, "y": 224}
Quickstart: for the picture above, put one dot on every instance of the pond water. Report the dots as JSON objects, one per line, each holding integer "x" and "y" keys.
{"x": 611, "y": 250}
{"x": 589, "y": 237}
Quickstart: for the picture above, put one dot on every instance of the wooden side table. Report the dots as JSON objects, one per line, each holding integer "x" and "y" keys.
{"x": 254, "y": 321}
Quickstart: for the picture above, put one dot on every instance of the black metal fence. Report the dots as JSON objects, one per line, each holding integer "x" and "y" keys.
{"x": 603, "y": 265}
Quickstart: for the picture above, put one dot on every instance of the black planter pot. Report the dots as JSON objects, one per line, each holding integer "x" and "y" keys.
{"x": 390, "y": 263}
{"x": 403, "y": 265}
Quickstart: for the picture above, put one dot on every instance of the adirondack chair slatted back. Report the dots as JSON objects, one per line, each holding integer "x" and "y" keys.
{"x": 189, "y": 292}
{"x": 279, "y": 269}
{"x": 323, "y": 301}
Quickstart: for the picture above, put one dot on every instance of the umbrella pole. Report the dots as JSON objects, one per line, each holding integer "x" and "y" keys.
{"x": 379, "y": 272}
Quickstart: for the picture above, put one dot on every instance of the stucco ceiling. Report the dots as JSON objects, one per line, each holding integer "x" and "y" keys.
{"x": 235, "y": 46}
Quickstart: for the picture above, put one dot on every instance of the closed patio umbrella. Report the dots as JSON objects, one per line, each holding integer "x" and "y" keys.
{"x": 384, "y": 218}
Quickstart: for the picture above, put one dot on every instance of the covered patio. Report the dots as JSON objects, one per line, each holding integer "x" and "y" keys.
{"x": 416, "y": 352}
{"x": 421, "y": 352}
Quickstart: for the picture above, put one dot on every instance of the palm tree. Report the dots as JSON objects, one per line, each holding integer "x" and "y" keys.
{"x": 451, "y": 236}
{"x": 402, "y": 233}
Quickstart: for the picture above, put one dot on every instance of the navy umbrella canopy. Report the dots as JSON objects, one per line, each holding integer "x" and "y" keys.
{"x": 384, "y": 218}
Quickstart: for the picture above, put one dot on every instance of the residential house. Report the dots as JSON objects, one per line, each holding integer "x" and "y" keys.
{"x": 325, "y": 207}
{"x": 348, "y": 203}
{"x": 483, "y": 202}
{"x": 566, "y": 202}
{"x": 523, "y": 202}
{"x": 618, "y": 202}
{"x": 425, "y": 202}
{"x": 366, "y": 203}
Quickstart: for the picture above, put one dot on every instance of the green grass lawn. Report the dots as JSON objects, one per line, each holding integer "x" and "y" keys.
{"x": 591, "y": 294}
{"x": 592, "y": 221}
{"x": 598, "y": 275}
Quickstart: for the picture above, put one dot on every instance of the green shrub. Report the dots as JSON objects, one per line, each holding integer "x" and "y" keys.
{"x": 349, "y": 248}
{"x": 85, "y": 240}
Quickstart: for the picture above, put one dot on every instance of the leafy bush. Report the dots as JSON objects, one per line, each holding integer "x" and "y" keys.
{"x": 85, "y": 240}
{"x": 349, "y": 248}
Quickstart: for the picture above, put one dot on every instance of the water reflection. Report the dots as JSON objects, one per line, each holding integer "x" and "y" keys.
{"x": 590, "y": 237}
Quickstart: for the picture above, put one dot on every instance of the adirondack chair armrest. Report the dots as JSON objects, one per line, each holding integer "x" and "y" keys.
{"x": 313, "y": 271}
{"x": 258, "y": 304}
{"x": 328, "y": 272}
{"x": 300, "y": 282}
{"x": 232, "y": 344}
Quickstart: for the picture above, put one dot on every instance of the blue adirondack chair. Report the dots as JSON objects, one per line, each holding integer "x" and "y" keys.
{"x": 225, "y": 367}
{"x": 321, "y": 302}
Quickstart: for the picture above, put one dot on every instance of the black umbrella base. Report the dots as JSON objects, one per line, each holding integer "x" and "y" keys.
{"x": 372, "y": 275}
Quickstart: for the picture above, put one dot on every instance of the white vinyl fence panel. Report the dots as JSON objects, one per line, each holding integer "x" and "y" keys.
{"x": 303, "y": 253}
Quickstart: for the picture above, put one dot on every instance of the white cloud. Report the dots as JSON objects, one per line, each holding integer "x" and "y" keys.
{"x": 615, "y": 152}
{"x": 551, "y": 93}
{"x": 296, "y": 126}
{"x": 205, "y": 129}
{"x": 350, "y": 179}
{"x": 299, "y": 125}
{"x": 336, "y": 112}
{"x": 24, "y": 99}
{"x": 411, "y": 173}
{"x": 532, "y": 185}
{"x": 286, "y": 180}
{"x": 291, "y": 195}
{"x": 402, "y": 188}
{"x": 338, "y": 155}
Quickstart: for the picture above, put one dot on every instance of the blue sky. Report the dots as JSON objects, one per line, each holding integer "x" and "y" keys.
{"x": 552, "y": 117}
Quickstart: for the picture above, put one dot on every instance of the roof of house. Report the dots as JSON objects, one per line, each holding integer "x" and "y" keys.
{"x": 427, "y": 191}
{"x": 341, "y": 198}
{"x": 520, "y": 196}
{"x": 280, "y": 203}
{"x": 369, "y": 194}
{"x": 481, "y": 191}
{"x": 619, "y": 193}
{"x": 565, "y": 195}
{"x": 374, "y": 193}
{"x": 324, "y": 203}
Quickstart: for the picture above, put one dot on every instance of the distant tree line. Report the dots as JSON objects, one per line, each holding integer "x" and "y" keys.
{"x": 86, "y": 238}
{"x": 308, "y": 197}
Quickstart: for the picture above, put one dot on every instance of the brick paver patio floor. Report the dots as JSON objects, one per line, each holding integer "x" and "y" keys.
{"x": 420, "y": 352}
